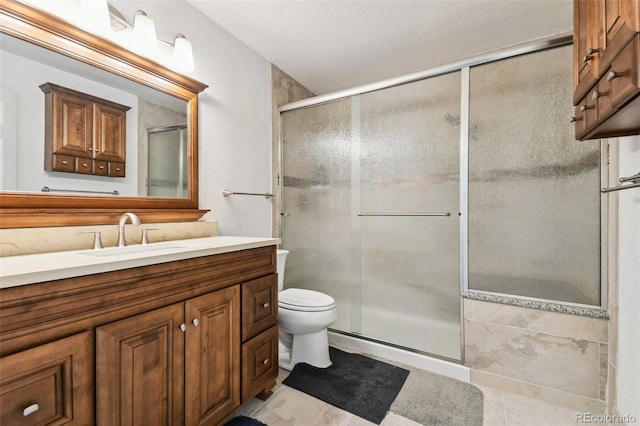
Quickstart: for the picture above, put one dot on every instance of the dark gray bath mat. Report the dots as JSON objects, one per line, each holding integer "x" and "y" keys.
{"x": 244, "y": 421}
{"x": 363, "y": 386}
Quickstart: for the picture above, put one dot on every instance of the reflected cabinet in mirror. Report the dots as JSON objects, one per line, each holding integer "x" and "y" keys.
{"x": 69, "y": 181}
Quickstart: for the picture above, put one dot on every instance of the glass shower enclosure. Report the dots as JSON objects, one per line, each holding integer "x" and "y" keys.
{"x": 371, "y": 205}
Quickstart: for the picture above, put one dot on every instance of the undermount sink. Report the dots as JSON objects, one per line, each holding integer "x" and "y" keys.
{"x": 120, "y": 251}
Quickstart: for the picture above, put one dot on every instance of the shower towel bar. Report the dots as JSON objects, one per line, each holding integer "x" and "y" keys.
{"x": 634, "y": 183}
{"x": 226, "y": 193}
{"x": 402, "y": 214}
{"x": 47, "y": 189}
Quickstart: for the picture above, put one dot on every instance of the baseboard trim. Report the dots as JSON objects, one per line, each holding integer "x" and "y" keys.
{"x": 434, "y": 365}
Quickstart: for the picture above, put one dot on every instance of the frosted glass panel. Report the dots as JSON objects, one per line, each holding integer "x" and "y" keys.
{"x": 534, "y": 199}
{"x": 409, "y": 164}
{"x": 316, "y": 228}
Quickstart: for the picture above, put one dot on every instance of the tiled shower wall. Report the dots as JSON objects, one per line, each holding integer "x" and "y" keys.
{"x": 551, "y": 356}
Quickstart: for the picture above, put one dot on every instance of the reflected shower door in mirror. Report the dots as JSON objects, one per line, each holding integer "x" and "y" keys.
{"x": 167, "y": 168}
{"x": 25, "y": 67}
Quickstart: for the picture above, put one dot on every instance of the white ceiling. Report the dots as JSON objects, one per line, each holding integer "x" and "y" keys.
{"x": 339, "y": 44}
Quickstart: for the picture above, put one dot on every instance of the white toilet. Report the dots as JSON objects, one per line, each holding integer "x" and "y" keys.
{"x": 303, "y": 316}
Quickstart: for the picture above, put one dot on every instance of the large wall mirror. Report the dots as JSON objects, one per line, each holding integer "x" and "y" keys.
{"x": 160, "y": 183}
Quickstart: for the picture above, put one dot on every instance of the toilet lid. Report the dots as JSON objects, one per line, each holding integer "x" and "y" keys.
{"x": 298, "y": 299}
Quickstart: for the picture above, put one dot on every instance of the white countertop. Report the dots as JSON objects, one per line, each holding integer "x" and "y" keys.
{"x": 35, "y": 268}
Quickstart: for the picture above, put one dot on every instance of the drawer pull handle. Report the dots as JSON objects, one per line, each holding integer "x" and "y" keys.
{"x": 613, "y": 75}
{"x": 589, "y": 55}
{"x": 102, "y": 167}
{"x": 30, "y": 410}
{"x": 574, "y": 119}
{"x": 118, "y": 169}
{"x": 583, "y": 108}
{"x": 196, "y": 322}
{"x": 85, "y": 165}
{"x": 266, "y": 361}
{"x": 65, "y": 162}
{"x": 183, "y": 327}
{"x": 266, "y": 305}
{"x": 595, "y": 95}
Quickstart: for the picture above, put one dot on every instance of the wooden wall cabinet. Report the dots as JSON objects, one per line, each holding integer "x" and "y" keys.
{"x": 83, "y": 133}
{"x": 606, "y": 68}
{"x": 168, "y": 343}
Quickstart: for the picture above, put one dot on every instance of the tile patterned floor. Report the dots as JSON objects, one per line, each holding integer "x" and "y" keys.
{"x": 290, "y": 407}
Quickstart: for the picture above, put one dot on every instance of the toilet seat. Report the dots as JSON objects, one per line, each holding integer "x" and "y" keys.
{"x": 299, "y": 299}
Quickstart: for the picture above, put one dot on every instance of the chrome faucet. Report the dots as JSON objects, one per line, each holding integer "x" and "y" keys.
{"x": 135, "y": 221}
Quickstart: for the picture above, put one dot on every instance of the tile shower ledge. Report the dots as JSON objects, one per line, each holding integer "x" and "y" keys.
{"x": 34, "y": 268}
{"x": 539, "y": 305}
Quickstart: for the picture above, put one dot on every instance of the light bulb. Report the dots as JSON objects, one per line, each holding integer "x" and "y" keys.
{"x": 182, "y": 54}
{"x": 144, "y": 34}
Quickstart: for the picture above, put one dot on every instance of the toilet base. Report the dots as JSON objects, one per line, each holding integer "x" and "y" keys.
{"x": 312, "y": 348}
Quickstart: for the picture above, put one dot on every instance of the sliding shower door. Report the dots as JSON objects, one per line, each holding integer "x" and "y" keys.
{"x": 371, "y": 211}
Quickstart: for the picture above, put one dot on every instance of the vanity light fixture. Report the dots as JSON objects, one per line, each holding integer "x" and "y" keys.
{"x": 146, "y": 42}
{"x": 144, "y": 33}
{"x": 182, "y": 54}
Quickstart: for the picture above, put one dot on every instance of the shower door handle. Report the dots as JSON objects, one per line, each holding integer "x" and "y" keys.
{"x": 404, "y": 214}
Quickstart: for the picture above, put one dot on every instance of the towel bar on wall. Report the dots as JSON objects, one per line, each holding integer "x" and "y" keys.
{"x": 226, "y": 193}
{"x": 47, "y": 189}
{"x": 635, "y": 183}
{"x": 403, "y": 214}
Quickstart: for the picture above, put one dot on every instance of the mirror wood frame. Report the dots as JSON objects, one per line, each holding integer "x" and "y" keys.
{"x": 18, "y": 210}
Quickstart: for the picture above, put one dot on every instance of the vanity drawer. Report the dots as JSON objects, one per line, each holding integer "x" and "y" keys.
{"x": 63, "y": 163}
{"x": 100, "y": 168}
{"x": 259, "y": 305}
{"x": 116, "y": 169}
{"x": 259, "y": 363}
{"x": 84, "y": 165}
{"x": 51, "y": 383}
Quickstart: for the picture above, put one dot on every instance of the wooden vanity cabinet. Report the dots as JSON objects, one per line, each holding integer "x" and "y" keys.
{"x": 606, "y": 68}
{"x": 49, "y": 384}
{"x": 83, "y": 133}
{"x": 168, "y": 340}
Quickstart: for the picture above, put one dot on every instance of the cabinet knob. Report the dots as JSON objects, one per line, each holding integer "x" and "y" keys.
{"x": 265, "y": 305}
{"x": 183, "y": 327}
{"x": 102, "y": 167}
{"x": 266, "y": 361}
{"x": 595, "y": 95}
{"x": 587, "y": 58}
{"x": 196, "y": 322}
{"x": 118, "y": 169}
{"x": 65, "y": 162}
{"x": 30, "y": 410}
{"x": 583, "y": 108}
{"x": 85, "y": 165}
{"x": 574, "y": 119}
{"x": 613, "y": 75}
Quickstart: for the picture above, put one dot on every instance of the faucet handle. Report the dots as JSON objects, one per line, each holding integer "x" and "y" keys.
{"x": 97, "y": 239}
{"x": 145, "y": 231}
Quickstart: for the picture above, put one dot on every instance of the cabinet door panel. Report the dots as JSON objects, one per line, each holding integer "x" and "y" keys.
{"x": 140, "y": 369}
{"x": 213, "y": 356}
{"x": 109, "y": 133}
{"x": 50, "y": 384}
{"x": 72, "y": 132}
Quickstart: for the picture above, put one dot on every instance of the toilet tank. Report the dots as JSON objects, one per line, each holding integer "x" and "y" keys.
{"x": 282, "y": 259}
